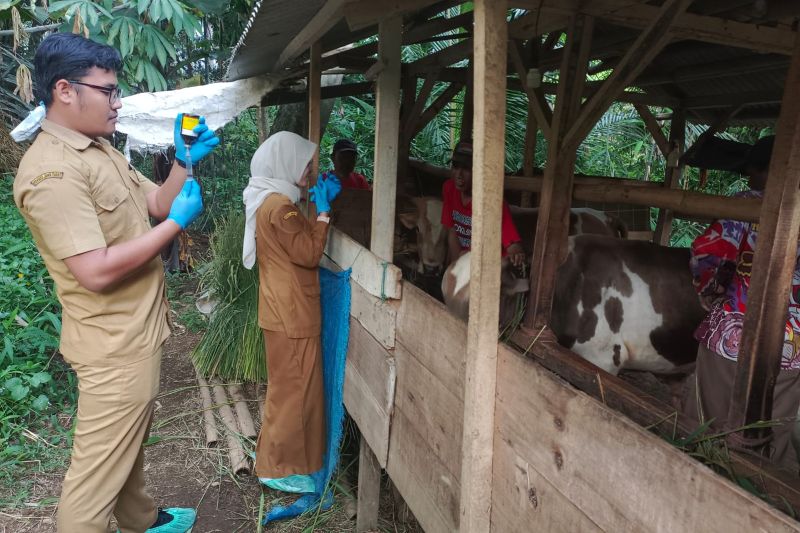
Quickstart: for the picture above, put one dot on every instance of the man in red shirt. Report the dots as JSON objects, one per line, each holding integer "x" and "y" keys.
{"x": 457, "y": 211}
{"x": 344, "y": 158}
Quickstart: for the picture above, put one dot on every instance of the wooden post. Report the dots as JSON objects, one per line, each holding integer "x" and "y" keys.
{"x": 387, "y": 131}
{"x": 556, "y": 196}
{"x": 529, "y": 152}
{"x": 369, "y": 489}
{"x": 774, "y": 264}
{"x": 672, "y": 179}
{"x": 314, "y": 114}
{"x": 467, "y": 116}
{"x": 263, "y": 124}
{"x": 490, "y": 49}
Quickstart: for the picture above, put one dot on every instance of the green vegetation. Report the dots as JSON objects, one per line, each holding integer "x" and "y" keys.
{"x": 37, "y": 390}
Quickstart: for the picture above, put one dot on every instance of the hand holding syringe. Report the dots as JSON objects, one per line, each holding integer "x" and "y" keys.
{"x": 193, "y": 140}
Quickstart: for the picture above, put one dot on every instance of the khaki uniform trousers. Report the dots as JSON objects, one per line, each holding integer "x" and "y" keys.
{"x": 106, "y": 474}
{"x": 708, "y": 393}
{"x": 292, "y": 437}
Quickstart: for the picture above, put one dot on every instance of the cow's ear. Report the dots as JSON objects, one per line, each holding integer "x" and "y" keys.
{"x": 409, "y": 220}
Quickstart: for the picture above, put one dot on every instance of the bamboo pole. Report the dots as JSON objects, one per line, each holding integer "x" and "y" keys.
{"x": 210, "y": 427}
{"x": 239, "y": 463}
{"x": 242, "y": 412}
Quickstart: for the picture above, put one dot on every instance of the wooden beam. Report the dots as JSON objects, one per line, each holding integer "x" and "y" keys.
{"x": 536, "y": 100}
{"x": 488, "y": 162}
{"x": 437, "y": 105}
{"x": 363, "y": 13}
{"x": 415, "y": 113}
{"x": 644, "y": 49}
{"x": 654, "y": 128}
{"x": 689, "y": 26}
{"x": 331, "y": 91}
{"x": 314, "y": 111}
{"x": 387, "y": 137}
{"x": 435, "y": 26}
{"x": 529, "y": 151}
{"x": 326, "y": 18}
{"x": 774, "y": 264}
{"x": 369, "y": 489}
{"x": 731, "y": 100}
{"x": 556, "y": 196}
{"x": 672, "y": 179}
{"x": 443, "y": 58}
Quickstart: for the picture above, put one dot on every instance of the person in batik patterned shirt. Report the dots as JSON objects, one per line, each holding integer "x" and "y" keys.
{"x": 721, "y": 265}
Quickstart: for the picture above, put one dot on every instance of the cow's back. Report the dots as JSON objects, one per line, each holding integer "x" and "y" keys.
{"x": 626, "y": 303}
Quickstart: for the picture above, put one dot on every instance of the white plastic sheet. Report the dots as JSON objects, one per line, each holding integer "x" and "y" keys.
{"x": 148, "y": 118}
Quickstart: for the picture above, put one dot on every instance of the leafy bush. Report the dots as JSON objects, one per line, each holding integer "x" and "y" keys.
{"x": 34, "y": 384}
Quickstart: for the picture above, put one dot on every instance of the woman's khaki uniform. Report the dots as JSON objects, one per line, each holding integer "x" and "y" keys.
{"x": 289, "y": 247}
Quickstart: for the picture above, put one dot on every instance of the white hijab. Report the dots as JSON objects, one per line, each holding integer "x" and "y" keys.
{"x": 276, "y": 167}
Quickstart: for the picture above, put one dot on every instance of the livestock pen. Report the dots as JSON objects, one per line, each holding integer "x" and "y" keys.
{"x": 479, "y": 435}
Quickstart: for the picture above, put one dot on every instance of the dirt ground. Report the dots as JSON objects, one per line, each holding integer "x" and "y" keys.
{"x": 181, "y": 471}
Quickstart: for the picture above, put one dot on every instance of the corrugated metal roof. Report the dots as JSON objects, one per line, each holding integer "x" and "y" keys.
{"x": 271, "y": 27}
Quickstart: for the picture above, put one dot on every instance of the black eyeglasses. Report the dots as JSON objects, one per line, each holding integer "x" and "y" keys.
{"x": 113, "y": 93}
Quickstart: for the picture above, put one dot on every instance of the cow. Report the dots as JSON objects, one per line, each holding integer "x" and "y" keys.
{"x": 619, "y": 304}
{"x": 426, "y": 216}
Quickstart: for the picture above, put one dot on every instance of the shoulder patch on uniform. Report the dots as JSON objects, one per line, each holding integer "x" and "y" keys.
{"x": 289, "y": 215}
{"x": 47, "y": 175}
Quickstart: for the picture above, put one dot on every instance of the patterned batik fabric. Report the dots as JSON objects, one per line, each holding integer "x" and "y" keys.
{"x": 721, "y": 265}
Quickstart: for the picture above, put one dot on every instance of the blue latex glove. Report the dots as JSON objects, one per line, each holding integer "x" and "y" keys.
{"x": 334, "y": 187}
{"x": 319, "y": 195}
{"x": 188, "y": 205}
{"x": 201, "y": 147}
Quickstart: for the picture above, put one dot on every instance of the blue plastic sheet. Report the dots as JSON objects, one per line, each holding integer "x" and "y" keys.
{"x": 335, "y": 302}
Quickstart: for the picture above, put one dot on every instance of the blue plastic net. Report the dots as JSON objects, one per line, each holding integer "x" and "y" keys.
{"x": 335, "y": 301}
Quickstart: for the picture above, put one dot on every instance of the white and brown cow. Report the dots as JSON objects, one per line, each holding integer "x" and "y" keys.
{"x": 617, "y": 303}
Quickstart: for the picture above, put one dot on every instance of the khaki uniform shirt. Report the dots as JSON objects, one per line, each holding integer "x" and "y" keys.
{"x": 79, "y": 194}
{"x": 288, "y": 248}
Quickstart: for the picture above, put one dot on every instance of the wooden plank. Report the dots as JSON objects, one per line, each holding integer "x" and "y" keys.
{"x": 326, "y": 18}
{"x": 640, "y": 407}
{"x": 435, "y": 411}
{"x": 688, "y": 26}
{"x": 387, "y": 136}
{"x": 489, "y": 57}
{"x": 425, "y": 483}
{"x": 369, "y": 388}
{"x": 555, "y": 200}
{"x": 369, "y": 489}
{"x": 378, "y": 317}
{"x": 378, "y": 277}
{"x": 647, "y": 45}
{"x": 363, "y": 13}
{"x": 672, "y": 179}
{"x": 426, "y": 328}
{"x": 613, "y": 480}
{"x": 774, "y": 264}
{"x": 523, "y": 500}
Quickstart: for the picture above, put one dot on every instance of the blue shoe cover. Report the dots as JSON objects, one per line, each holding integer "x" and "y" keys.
{"x": 295, "y": 483}
{"x": 182, "y": 521}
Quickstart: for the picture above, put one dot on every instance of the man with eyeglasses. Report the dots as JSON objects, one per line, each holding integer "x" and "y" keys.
{"x": 457, "y": 211}
{"x": 89, "y": 212}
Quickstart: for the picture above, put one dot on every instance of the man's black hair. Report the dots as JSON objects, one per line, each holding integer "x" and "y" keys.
{"x": 68, "y": 56}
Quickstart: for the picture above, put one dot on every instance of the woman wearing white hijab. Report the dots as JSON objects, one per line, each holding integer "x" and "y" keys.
{"x": 288, "y": 248}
